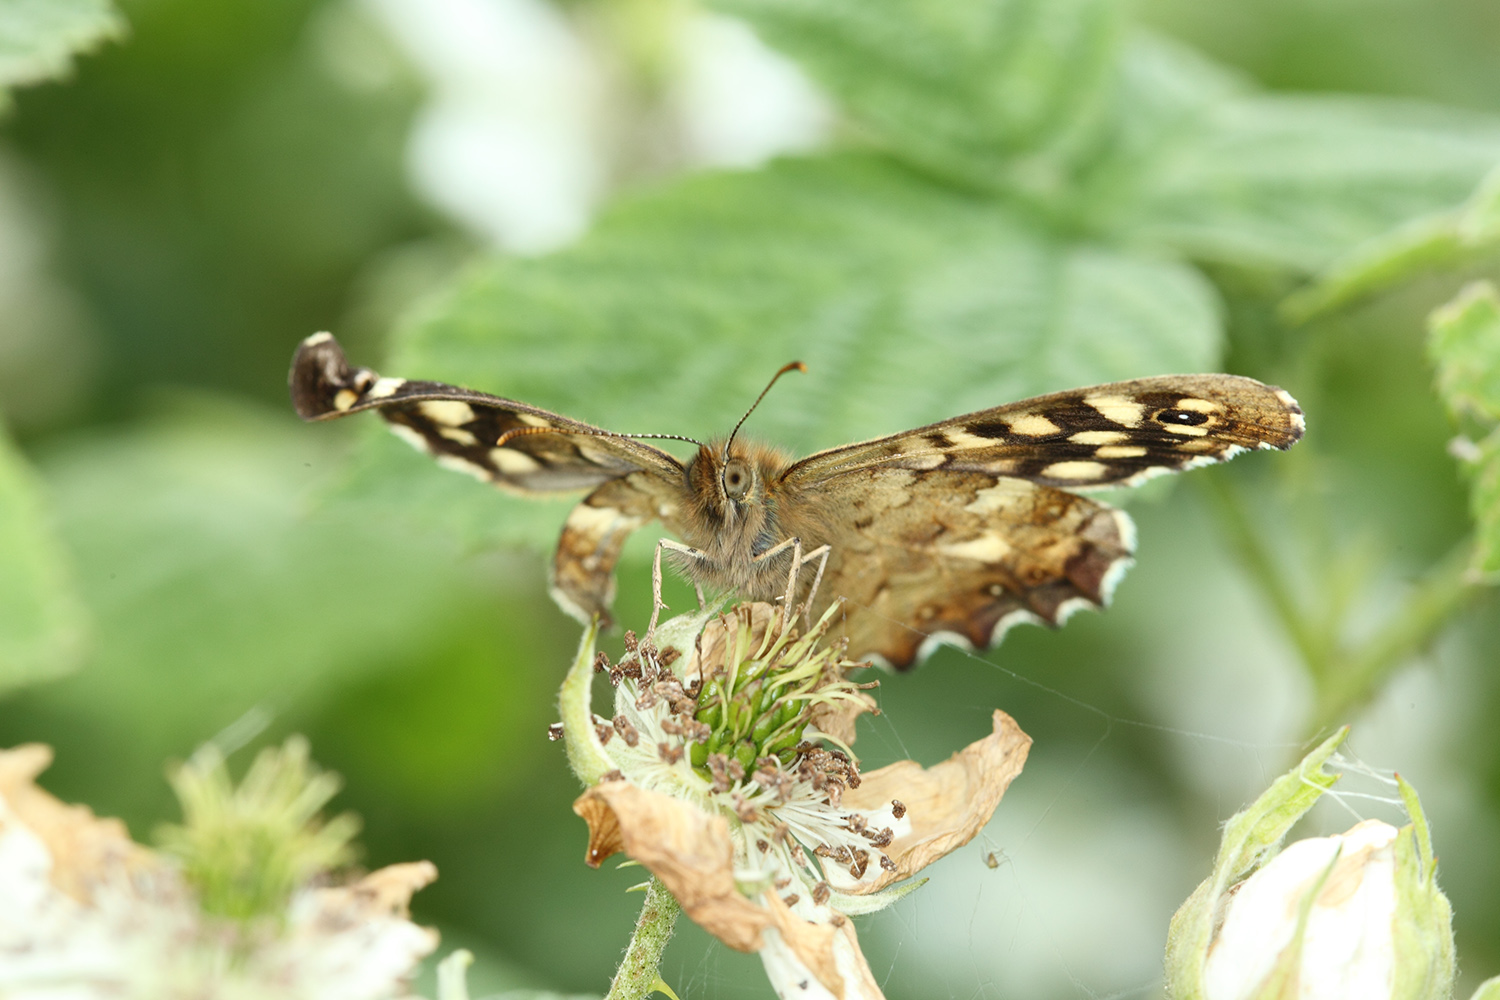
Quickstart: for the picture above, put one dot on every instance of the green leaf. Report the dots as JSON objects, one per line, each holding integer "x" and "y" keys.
{"x": 1442, "y": 239}
{"x": 996, "y": 92}
{"x": 909, "y": 303}
{"x": 1464, "y": 344}
{"x": 42, "y": 621}
{"x": 217, "y": 588}
{"x": 38, "y": 38}
{"x": 1292, "y": 182}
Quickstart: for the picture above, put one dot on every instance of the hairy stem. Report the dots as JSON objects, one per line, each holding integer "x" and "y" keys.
{"x": 1344, "y": 676}
{"x": 1359, "y": 672}
{"x": 638, "y": 976}
{"x": 1262, "y": 566}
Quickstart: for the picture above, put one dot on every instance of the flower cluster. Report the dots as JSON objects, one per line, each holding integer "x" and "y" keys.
{"x": 232, "y": 909}
{"x": 726, "y": 770}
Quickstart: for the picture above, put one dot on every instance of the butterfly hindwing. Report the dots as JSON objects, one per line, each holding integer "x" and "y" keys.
{"x": 964, "y": 555}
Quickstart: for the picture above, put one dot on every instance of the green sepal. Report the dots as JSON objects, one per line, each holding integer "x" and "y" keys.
{"x": 1488, "y": 990}
{"x": 1250, "y": 838}
{"x": 858, "y": 905}
{"x": 1422, "y": 932}
{"x": 586, "y": 755}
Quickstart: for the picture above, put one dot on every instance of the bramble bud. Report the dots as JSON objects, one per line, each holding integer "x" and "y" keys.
{"x": 1356, "y": 916}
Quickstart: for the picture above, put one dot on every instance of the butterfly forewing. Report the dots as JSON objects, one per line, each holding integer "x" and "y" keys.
{"x": 517, "y": 447}
{"x": 511, "y": 444}
{"x": 1107, "y": 435}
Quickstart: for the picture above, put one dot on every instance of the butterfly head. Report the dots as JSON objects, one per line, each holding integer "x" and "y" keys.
{"x": 732, "y": 480}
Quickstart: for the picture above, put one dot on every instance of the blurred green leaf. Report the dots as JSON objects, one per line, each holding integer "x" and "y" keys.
{"x": 1292, "y": 182}
{"x": 215, "y": 587}
{"x": 1464, "y": 343}
{"x": 962, "y": 88}
{"x": 42, "y": 621}
{"x": 1465, "y": 346}
{"x": 1441, "y": 239}
{"x": 908, "y": 301}
{"x": 38, "y": 38}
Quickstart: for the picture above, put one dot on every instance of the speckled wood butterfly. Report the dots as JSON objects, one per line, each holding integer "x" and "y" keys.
{"x": 954, "y": 531}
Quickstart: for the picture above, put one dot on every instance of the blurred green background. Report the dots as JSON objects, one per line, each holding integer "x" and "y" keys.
{"x": 572, "y": 204}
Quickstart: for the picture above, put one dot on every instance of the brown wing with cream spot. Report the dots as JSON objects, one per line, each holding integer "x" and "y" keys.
{"x": 517, "y": 447}
{"x": 583, "y": 568}
{"x": 1107, "y": 435}
{"x": 958, "y": 555}
{"x": 510, "y": 444}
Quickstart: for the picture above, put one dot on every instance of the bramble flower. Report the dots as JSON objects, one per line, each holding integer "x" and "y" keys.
{"x": 234, "y": 914}
{"x": 727, "y": 772}
{"x": 1357, "y": 916}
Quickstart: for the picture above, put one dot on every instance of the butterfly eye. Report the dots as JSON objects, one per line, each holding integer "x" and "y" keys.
{"x": 1190, "y": 418}
{"x": 736, "y": 480}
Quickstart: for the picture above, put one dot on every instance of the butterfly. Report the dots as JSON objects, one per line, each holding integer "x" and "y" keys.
{"x": 951, "y": 532}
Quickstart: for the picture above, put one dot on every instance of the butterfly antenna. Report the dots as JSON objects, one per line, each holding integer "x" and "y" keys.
{"x": 790, "y": 366}
{"x": 516, "y": 432}
{"x": 666, "y": 437}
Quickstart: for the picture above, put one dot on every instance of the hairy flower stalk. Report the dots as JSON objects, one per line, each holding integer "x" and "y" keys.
{"x": 726, "y": 770}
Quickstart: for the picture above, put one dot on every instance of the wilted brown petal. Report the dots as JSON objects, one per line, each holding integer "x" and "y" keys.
{"x": 946, "y": 805}
{"x": 689, "y": 850}
{"x": 84, "y": 848}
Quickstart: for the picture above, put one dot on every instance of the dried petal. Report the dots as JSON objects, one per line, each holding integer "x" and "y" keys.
{"x": 688, "y": 849}
{"x": 945, "y": 805}
{"x": 83, "y": 847}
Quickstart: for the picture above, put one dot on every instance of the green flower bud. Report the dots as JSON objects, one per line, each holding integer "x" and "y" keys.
{"x": 1356, "y": 916}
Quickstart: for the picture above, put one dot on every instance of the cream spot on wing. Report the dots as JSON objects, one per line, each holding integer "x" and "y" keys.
{"x": 963, "y": 439}
{"x": 1033, "y": 425}
{"x": 1099, "y": 437}
{"x": 1120, "y": 409}
{"x": 1112, "y": 578}
{"x": 344, "y": 399}
{"x": 410, "y": 436}
{"x": 317, "y": 338}
{"x": 532, "y": 421}
{"x": 1075, "y": 470}
{"x": 1198, "y": 405}
{"x": 1185, "y": 430}
{"x": 998, "y": 497}
{"x": 1125, "y": 528}
{"x": 931, "y": 644}
{"x": 457, "y": 464}
{"x": 1120, "y": 451}
{"x": 458, "y": 434}
{"x": 1010, "y": 621}
{"x": 447, "y": 411}
{"x": 986, "y": 549}
{"x": 595, "y": 522}
{"x": 924, "y": 462}
{"x": 511, "y": 462}
{"x": 1067, "y": 609}
{"x": 385, "y": 387}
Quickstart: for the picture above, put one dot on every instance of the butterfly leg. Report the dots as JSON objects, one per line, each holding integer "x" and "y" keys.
{"x": 821, "y": 554}
{"x": 657, "y": 604}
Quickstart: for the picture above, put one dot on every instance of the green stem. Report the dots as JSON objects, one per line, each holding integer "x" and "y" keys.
{"x": 1345, "y": 677}
{"x": 638, "y": 976}
{"x": 1261, "y": 564}
{"x": 1439, "y": 595}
